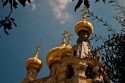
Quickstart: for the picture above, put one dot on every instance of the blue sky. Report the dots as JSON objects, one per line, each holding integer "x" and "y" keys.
{"x": 41, "y": 22}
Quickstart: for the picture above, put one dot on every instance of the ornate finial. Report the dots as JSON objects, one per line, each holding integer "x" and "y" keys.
{"x": 37, "y": 50}
{"x": 69, "y": 39}
{"x": 64, "y": 37}
{"x": 84, "y": 12}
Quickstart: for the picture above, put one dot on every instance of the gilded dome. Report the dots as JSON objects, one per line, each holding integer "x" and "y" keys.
{"x": 65, "y": 51}
{"x": 34, "y": 62}
{"x": 56, "y": 54}
{"x": 83, "y": 25}
{"x": 53, "y": 56}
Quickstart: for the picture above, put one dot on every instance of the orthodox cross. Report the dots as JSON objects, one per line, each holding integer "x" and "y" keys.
{"x": 38, "y": 49}
{"x": 69, "y": 38}
{"x": 84, "y": 12}
{"x": 64, "y": 37}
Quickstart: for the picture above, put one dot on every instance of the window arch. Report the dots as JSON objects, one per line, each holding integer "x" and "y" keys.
{"x": 70, "y": 72}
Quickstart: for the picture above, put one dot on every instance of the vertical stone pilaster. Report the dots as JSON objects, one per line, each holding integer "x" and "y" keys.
{"x": 31, "y": 75}
{"x": 54, "y": 68}
{"x": 62, "y": 75}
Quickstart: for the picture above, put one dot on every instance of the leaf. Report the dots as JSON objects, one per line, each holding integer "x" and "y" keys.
{"x": 96, "y": 1}
{"x": 6, "y": 31}
{"x": 29, "y": 1}
{"x": 5, "y": 3}
{"x": 88, "y": 16}
{"x": 110, "y": 1}
{"x": 15, "y": 24}
{"x": 78, "y": 4}
{"x": 12, "y": 19}
{"x": 9, "y": 25}
{"x": 15, "y": 4}
{"x": 22, "y": 2}
{"x": 10, "y": 1}
{"x": 123, "y": 30}
{"x": 86, "y": 3}
{"x": 104, "y": 1}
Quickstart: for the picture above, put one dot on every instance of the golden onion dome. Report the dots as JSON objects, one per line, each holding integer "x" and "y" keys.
{"x": 65, "y": 51}
{"x": 83, "y": 25}
{"x": 34, "y": 62}
{"x": 54, "y": 55}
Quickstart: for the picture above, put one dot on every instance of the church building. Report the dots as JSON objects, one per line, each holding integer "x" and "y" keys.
{"x": 70, "y": 63}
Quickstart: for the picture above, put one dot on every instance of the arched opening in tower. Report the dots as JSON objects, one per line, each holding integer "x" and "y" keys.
{"x": 74, "y": 53}
{"x": 89, "y": 73}
{"x": 70, "y": 72}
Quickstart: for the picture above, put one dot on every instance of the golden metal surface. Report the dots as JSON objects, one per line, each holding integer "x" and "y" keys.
{"x": 34, "y": 61}
{"x": 56, "y": 53}
{"x": 65, "y": 51}
{"x": 84, "y": 25}
{"x": 53, "y": 55}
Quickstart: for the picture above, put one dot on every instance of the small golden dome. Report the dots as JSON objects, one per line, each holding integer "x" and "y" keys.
{"x": 53, "y": 56}
{"x": 83, "y": 25}
{"x": 34, "y": 62}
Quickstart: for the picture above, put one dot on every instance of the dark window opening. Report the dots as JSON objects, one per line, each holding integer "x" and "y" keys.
{"x": 70, "y": 72}
{"x": 74, "y": 53}
{"x": 89, "y": 73}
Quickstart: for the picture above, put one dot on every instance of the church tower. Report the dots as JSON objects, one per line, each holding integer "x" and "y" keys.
{"x": 70, "y": 64}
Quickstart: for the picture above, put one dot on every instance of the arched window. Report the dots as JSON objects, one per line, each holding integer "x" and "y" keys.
{"x": 89, "y": 73}
{"x": 70, "y": 72}
{"x": 74, "y": 53}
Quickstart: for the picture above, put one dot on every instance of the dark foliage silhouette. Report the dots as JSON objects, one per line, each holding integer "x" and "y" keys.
{"x": 86, "y": 3}
{"x": 9, "y": 22}
{"x": 113, "y": 47}
{"x": 113, "y": 56}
